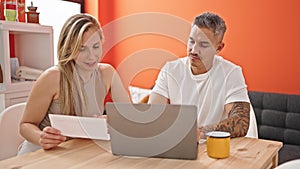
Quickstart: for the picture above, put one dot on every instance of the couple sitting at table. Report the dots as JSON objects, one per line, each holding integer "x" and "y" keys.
{"x": 79, "y": 83}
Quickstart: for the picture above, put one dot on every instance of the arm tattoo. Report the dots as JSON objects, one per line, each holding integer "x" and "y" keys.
{"x": 238, "y": 119}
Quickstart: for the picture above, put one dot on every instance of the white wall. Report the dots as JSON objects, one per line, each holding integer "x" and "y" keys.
{"x": 54, "y": 13}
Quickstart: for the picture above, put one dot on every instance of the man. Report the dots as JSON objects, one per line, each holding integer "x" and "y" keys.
{"x": 215, "y": 85}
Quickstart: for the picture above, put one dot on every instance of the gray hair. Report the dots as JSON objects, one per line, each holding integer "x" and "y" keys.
{"x": 213, "y": 22}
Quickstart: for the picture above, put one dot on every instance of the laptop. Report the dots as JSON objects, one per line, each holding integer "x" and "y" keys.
{"x": 153, "y": 130}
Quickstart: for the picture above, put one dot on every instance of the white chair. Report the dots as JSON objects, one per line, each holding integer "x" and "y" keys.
{"x": 294, "y": 164}
{"x": 252, "y": 131}
{"x": 10, "y": 138}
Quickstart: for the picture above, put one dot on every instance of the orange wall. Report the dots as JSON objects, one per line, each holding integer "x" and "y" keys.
{"x": 262, "y": 37}
{"x": 92, "y": 8}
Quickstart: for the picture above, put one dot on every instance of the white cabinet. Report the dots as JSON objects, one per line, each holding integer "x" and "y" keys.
{"x": 33, "y": 48}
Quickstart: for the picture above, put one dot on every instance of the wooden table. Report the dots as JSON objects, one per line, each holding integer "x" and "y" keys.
{"x": 85, "y": 153}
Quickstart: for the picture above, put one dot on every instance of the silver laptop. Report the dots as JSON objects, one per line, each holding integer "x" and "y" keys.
{"x": 156, "y": 130}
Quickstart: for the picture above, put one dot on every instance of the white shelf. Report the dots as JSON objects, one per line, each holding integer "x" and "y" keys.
{"x": 19, "y": 86}
{"x": 33, "y": 48}
{"x": 21, "y": 27}
{"x": 2, "y": 87}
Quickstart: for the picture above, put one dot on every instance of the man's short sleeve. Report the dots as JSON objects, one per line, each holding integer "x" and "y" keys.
{"x": 236, "y": 87}
{"x": 161, "y": 83}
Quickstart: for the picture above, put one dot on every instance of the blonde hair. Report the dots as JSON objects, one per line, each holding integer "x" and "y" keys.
{"x": 72, "y": 95}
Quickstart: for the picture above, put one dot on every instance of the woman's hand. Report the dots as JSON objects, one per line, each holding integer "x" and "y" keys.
{"x": 50, "y": 138}
{"x": 103, "y": 117}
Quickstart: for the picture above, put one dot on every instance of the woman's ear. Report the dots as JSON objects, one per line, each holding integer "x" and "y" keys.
{"x": 220, "y": 47}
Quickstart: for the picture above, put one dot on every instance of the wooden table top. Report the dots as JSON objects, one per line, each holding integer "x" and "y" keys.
{"x": 85, "y": 153}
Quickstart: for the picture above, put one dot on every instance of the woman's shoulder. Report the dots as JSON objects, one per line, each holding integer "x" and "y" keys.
{"x": 105, "y": 67}
{"x": 53, "y": 70}
{"x": 51, "y": 73}
{"x": 48, "y": 81}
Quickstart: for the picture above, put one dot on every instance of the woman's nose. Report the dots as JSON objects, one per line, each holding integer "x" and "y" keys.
{"x": 92, "y": 53}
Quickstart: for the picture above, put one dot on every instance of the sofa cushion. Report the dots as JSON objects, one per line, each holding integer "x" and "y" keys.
{"x": 278, "y": 118}
{"x": 273, "y": 118}
{"x": 277, "y": 115}
{"x": 292, "y": 136}
{"x": 274, "y": 101}
{"x": 288, "y": 152}
{"x": 293, "y": 120}
{"x": 271, "y": 133}
{"x": 293, "y": 104}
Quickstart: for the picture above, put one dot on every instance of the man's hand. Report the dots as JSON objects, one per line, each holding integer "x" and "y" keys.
{"x": 200, "y": 134}
{"x": 205, "y": 129}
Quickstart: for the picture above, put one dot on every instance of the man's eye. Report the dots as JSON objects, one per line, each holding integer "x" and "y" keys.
{"x": 191, "y": 41}
{"x": 96, "y": 46}
{"x": 204, "y": 45}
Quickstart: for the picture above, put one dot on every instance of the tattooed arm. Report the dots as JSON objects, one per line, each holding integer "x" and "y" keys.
{"x": 236, "y": 124}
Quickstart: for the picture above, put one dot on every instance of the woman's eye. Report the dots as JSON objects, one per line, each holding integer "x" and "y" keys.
{"x": 82, "y": 48}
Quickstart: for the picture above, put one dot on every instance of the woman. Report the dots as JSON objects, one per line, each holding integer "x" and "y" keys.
{"x": 77, "y": 86}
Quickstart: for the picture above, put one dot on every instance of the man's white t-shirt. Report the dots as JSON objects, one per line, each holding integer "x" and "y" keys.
{"x": 210, "y": 92}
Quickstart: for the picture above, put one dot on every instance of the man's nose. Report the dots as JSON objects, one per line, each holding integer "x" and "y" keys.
{"x": 195, "y": 49}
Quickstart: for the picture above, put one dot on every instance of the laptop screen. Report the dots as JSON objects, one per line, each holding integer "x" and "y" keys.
{"x": 157, "y": 130}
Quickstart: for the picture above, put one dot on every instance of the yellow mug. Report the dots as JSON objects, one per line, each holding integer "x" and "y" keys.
{"x": 218, "y": 144}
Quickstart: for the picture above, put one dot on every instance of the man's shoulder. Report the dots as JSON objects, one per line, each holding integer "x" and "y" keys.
{"x": 225, "y": 63}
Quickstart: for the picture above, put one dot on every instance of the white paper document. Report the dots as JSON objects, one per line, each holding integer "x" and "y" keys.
{"x": 80, "y": 127}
